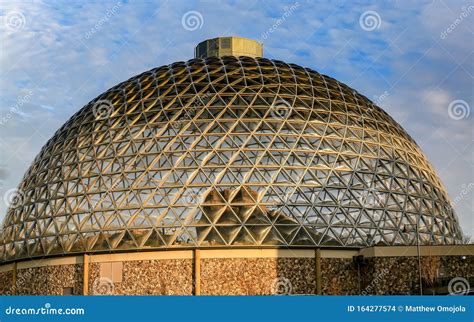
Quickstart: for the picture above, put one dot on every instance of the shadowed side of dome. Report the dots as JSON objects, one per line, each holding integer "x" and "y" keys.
{"x": 227, "y": 152}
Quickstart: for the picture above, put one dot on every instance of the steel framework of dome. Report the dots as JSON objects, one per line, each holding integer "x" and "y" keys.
{"x": 227, "y": 152}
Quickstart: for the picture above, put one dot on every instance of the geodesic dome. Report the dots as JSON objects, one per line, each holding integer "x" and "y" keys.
{"x": 227, "y": 152}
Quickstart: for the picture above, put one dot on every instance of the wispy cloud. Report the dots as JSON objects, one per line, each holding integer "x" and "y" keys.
{"x": 47, "y": 107}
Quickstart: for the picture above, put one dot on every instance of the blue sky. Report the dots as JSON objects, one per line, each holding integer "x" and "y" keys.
{"x": 413, "y": 58}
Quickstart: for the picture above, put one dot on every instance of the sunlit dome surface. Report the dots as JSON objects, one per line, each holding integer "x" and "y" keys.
{"x": 227, "y": 152}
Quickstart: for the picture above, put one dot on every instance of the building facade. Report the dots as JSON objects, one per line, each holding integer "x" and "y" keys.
{"x": 225, "y": 153}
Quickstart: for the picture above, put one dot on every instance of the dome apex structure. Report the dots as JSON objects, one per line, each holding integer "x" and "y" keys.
{"x": 227, "y": 151}
{"x": 228, "y": 46}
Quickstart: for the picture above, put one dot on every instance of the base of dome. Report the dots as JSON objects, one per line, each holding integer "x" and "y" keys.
{"x": 375, "y": 270}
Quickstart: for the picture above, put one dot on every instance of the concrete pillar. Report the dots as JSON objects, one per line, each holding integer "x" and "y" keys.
{"x": 318, "y": 272}
{"x": 85, "y": 277}
{"x": 197, "y": 272}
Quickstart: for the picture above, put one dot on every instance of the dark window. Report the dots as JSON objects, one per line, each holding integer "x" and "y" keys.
{"x": 201, "y": 50}
{"x": 225, "y": 43}
{"x": 213, "y": 45}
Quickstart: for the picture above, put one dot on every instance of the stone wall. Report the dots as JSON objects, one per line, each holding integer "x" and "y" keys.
{"x": 258, "y": 276}
{"x": 339, "y": 276}
{"x": 458, "y": 266}
{"x": 246, "y": 276}
{"x": 6, "y": 282}
{"x": 392, "y": 275}
{"x": 148, "y": 277}
{"x": 400, "y": 275}
{"x": 47, "y": 280}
